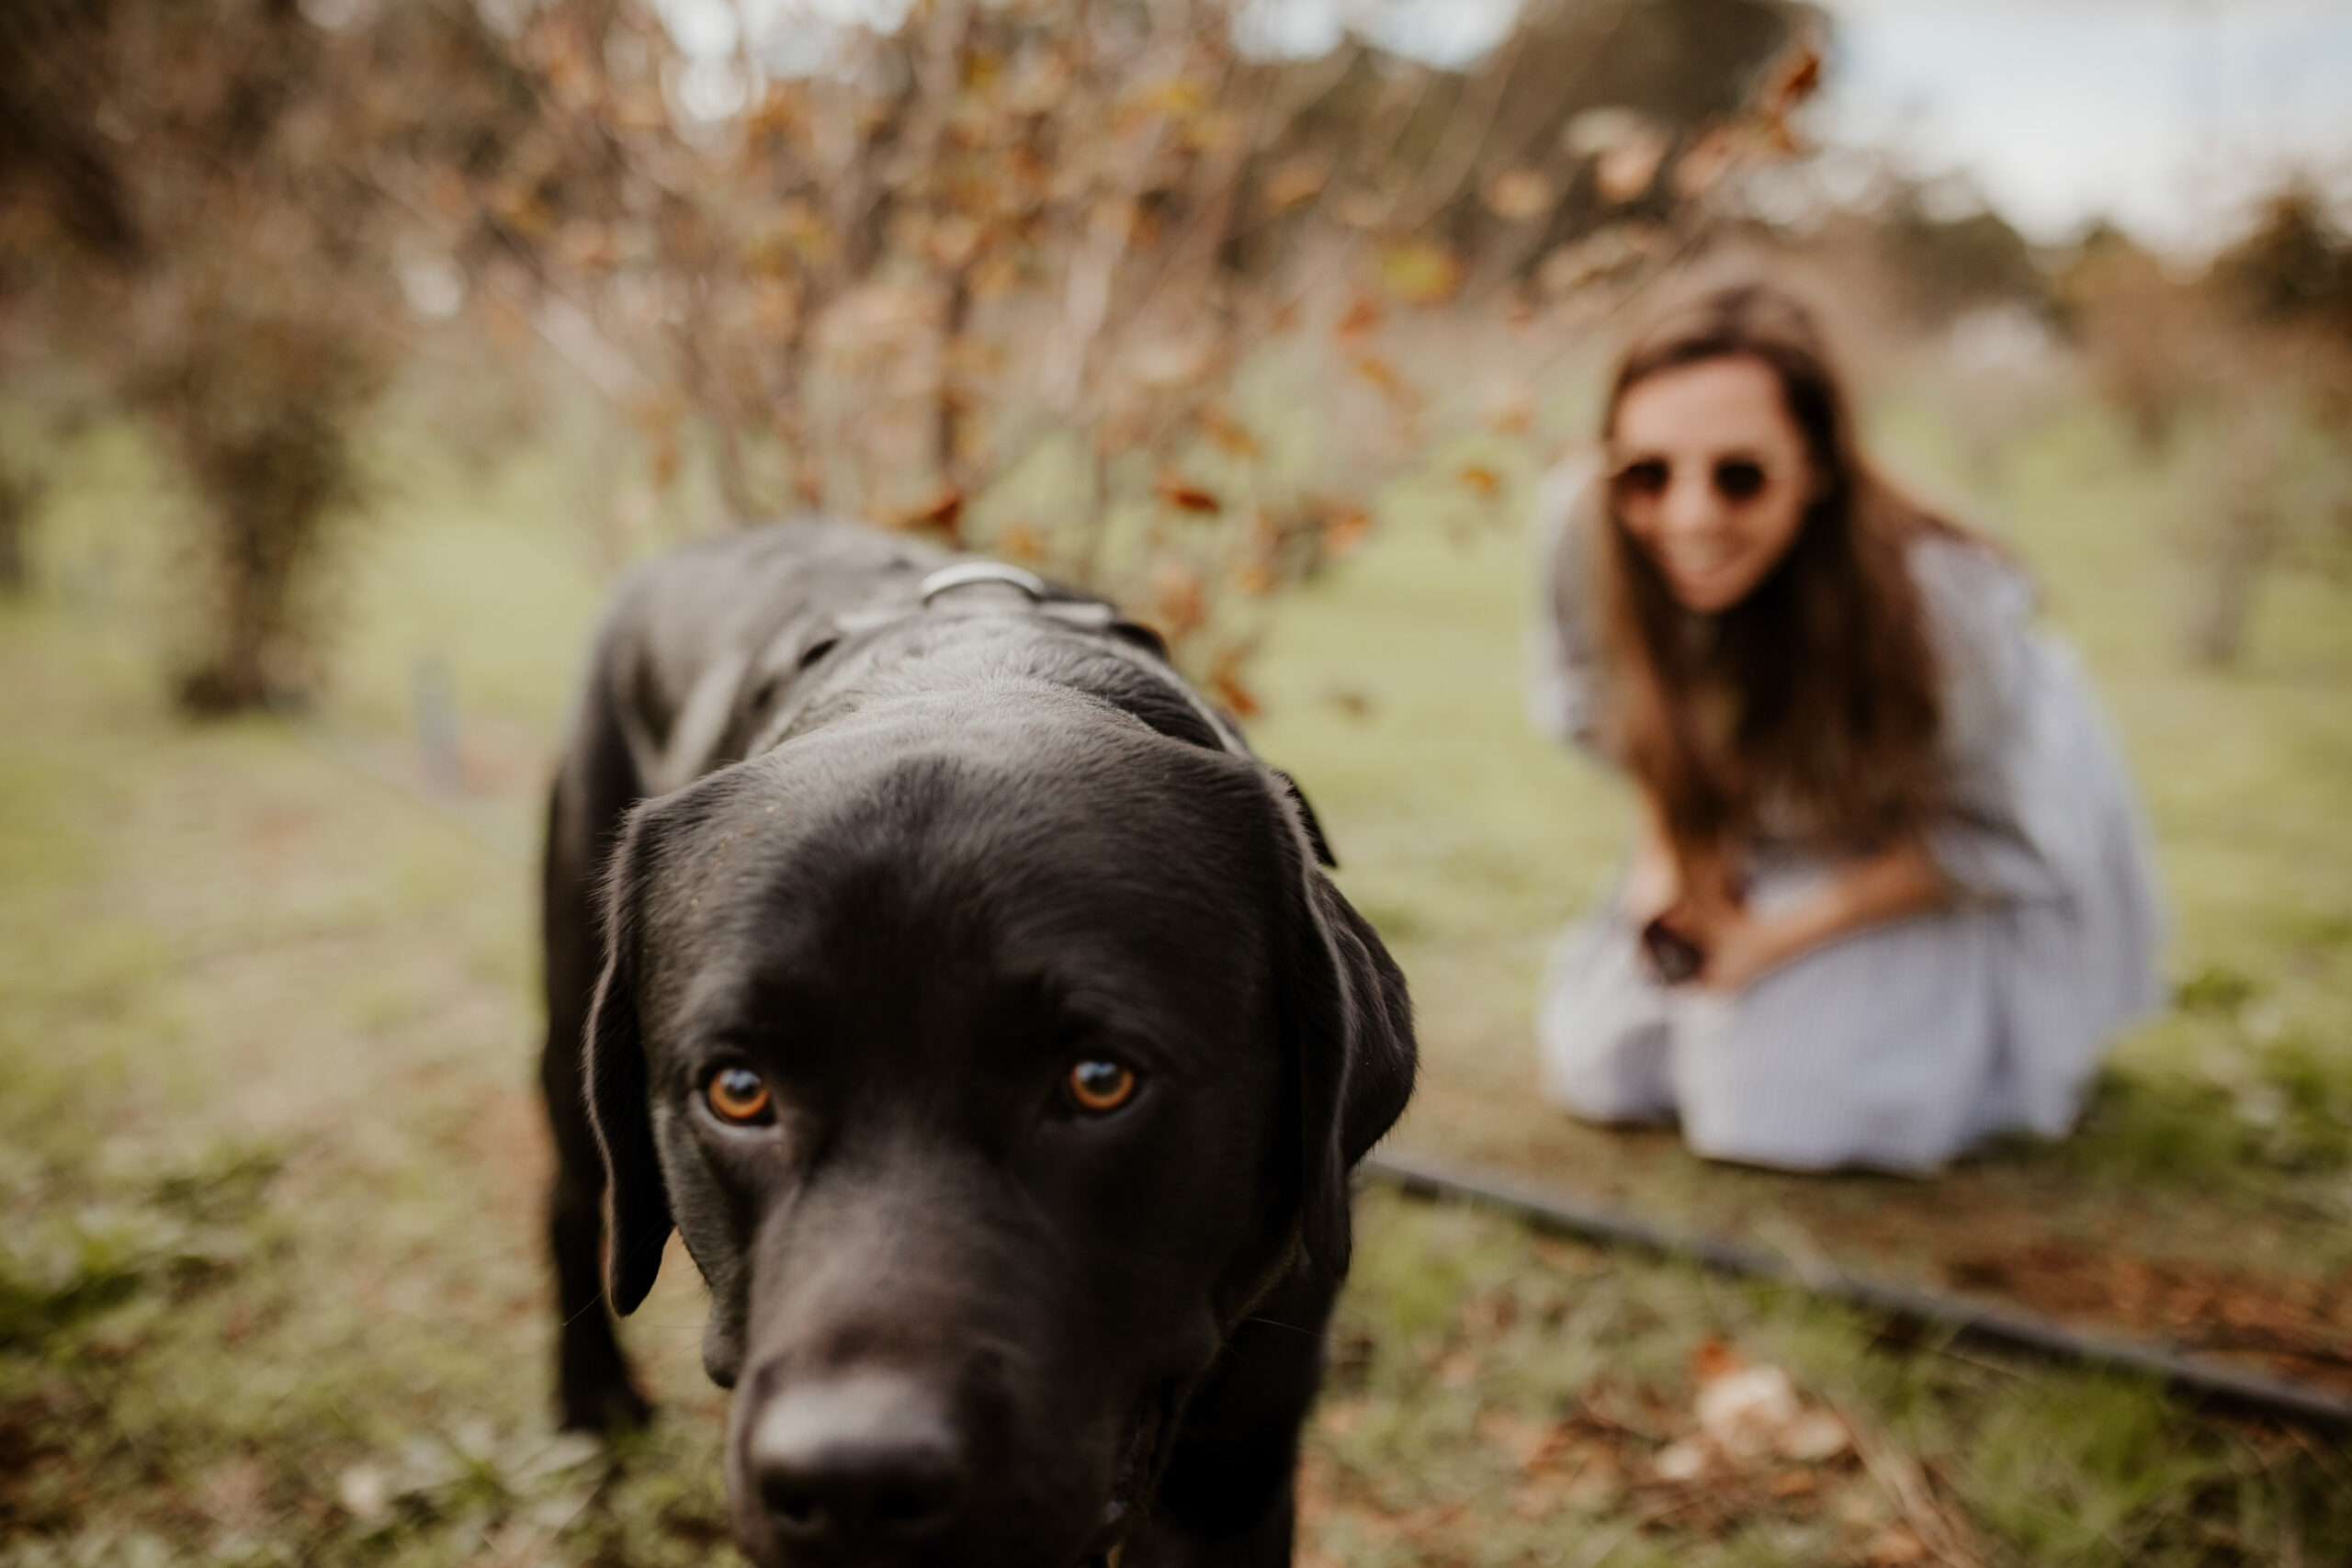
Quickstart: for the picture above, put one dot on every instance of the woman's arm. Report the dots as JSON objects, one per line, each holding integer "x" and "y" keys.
{"x": 1653, "y": 883}
{"x": 1740, "y": 946}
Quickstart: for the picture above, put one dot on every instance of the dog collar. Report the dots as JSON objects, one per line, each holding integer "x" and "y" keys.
{"x": 964, "y": 574}
{"x": 1078, "y": 611}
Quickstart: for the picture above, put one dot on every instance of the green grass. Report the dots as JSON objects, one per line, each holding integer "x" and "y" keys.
{"x": 270, "y": 1276}
{"x": 1393, "y": 692}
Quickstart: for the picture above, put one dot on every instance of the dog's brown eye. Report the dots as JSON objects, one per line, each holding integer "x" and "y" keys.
{"x": 1097, "y": 1087}
{"x": 737, "y": 1095}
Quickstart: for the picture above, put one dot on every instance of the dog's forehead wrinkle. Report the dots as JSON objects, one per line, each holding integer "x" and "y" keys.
{"x": 939, "y": 910}
{"x": 1018, "y": 808}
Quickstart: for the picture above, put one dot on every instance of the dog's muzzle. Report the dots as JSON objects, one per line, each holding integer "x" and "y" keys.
{"x": 859, "y": 1469}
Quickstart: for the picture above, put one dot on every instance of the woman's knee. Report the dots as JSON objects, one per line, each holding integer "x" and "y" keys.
{"x": 1605, "y": 1066}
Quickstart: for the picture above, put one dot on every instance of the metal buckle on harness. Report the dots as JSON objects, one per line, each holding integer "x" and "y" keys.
{"x": 963, "y": 574}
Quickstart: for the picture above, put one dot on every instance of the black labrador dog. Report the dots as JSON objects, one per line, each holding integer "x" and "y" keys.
{"x": 973, "y": 1004}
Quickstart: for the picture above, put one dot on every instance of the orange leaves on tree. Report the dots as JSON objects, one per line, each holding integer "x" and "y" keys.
{"x": 1171, "y": 362}
{"x": 775, "y": 309}
{"x": 1257, "y": 580}
{"x": 931, "y": 261}
{"x": 953, "y": 240}
{"x": 1381, "y": 373}
{"x": 657, "y": 419}
{"x": 1361, "y": 318}
{"x": 1625, "y": 146}
{"x": 1039, "y": 82}
{"x": 1184, "y": 496}
{"x": 943, "y": 511}
{"x": 1227, "y": 434}
{"x": 1213, "y": 131}
{"x": 640, "y": 110}
{"x": 996, "y": 274}
{"x": 584, "y": 244}
{"x": 1224, "y": 679}
{"x": 1179, "y": 606}
{"x": 508, "y": 327}
{"x": 1420, "y": 272}
{"x": 1702, "y": 166}
{"x": 1261, "y": 572}
{"x": 983, "y": 68}
{"x": 1625, "y": 171}
{"x": 1518, "y": 195}
{"x": 1018, "y": 542}
{"x": 1344, "y": 531}
{"x": 450, "y": 195}
{"x": 1294, "y": 181}
{"x": 780, "y": 113}
{"x": 1712, "y": 1358}
{"x": 1604, "y": 253}
{"x": 1177, "y": 97}
{"x": 1794, "y": 78}
{"x": 1509, "y": 410}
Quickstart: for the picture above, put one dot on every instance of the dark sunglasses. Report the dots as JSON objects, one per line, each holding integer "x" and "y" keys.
{"x": 1736, "y": 481}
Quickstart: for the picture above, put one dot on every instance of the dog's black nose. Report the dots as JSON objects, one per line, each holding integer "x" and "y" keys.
{"x": 855, "y": 1466}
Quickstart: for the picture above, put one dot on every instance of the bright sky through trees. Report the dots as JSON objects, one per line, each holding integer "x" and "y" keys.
{"x": 2167, "y": 116}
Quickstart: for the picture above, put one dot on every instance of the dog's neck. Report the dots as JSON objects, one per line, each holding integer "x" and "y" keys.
{"x": 811, "y": 676}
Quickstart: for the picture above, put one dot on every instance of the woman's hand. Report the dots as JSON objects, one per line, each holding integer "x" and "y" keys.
{"x": 1738, "y": 947}
{"x": 1735, "y": 948}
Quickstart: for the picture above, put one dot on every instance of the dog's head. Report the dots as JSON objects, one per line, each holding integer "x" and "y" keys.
{"x": 992, "y": 1060}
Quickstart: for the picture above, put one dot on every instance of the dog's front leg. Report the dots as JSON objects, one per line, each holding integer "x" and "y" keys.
{"x": 594, "y": 1388}
{"x": 1228, "y": 1496}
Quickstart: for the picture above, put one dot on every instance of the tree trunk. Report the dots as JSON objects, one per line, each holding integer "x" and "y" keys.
{"x": 947, "y": 414}
{"x": 2249, "y": 525}
{"x": 2250, "y": 538}
{"x": 16, "y": 499}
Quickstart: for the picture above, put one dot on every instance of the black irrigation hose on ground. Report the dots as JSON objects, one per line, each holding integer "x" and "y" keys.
{"x": 1418, "y": 1176}
{"x": 1955, "y": 1318}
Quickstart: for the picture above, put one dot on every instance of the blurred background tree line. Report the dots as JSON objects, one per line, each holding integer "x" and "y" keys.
{"x": 348, "y": 347}
{"x": 1044, "y": 277}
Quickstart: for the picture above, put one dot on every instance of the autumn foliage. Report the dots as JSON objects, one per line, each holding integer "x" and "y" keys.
{"x": 1082, "y": 282}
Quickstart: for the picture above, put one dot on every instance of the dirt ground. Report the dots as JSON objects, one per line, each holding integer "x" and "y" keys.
{"x": 271, "y": 1274}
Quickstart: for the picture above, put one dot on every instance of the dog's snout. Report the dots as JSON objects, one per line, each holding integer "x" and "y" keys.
{"x": 855, "y": 1466}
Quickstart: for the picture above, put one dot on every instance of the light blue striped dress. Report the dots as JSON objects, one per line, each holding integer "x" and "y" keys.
{"x": 1898, "y": 1046}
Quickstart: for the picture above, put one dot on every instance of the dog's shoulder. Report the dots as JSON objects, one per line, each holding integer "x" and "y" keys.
{"x": 729, "y": 646}
{"x": 691, "y": 605}
{"x": 685, "y": 632}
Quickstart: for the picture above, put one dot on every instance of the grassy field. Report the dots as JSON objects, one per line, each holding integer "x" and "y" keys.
{"x": 2219, "y": 1137}
{"x": 270, "y": 1279}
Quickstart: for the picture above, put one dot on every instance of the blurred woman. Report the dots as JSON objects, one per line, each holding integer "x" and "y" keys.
{"x": 1887, "y": 893}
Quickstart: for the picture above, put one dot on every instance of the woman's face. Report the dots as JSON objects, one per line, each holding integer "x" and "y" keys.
{"x": 1708, "y": 475}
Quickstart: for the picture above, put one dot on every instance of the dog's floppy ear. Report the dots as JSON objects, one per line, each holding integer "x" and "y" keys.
{"x": 1307, "y": 820}
{"x": 617, "y": 1105}
{"x": 1351, "y": 1025}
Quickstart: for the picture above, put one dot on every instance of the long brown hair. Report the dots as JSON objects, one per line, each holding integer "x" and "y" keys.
{"x": 1817, "y": 692}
